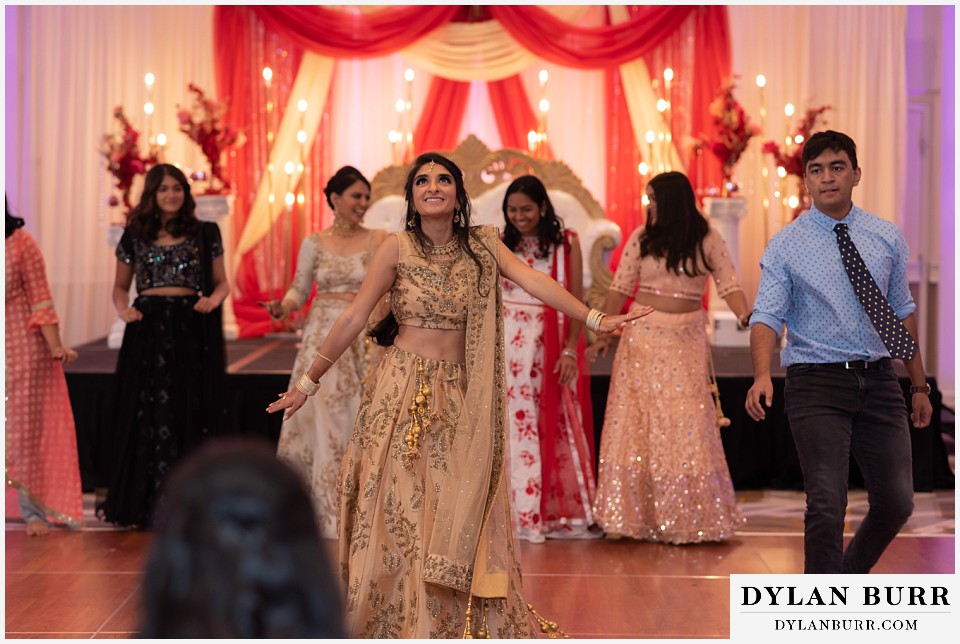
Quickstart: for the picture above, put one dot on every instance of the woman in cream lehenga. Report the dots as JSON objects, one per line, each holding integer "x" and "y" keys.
{"x": 336, "y": 259}
{"x": 426, "y": 545}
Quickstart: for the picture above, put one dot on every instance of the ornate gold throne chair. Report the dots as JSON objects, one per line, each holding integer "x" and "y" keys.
{"x": 487, "y": 174}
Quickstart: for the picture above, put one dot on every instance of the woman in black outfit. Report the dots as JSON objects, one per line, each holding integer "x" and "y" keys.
{"x": 170, "y": 371}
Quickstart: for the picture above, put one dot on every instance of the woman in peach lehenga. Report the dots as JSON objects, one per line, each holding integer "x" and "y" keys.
{"x": 426, "y": 546}
{"x": 336, "y": 259}
{"x": 663, "y": 475}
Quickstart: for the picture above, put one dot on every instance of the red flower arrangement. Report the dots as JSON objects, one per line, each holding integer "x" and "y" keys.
{"x": 790, "y": 156}
{"x": 124, "y": 162}
{"x": 733, "y": 131}
{"x": 203, "y": 123}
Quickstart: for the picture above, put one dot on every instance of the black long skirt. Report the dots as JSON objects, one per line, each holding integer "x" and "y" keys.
{"x": 170, "y": 397}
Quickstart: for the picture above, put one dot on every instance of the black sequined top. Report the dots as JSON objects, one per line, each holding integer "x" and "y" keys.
{"x": 173, "y": 265}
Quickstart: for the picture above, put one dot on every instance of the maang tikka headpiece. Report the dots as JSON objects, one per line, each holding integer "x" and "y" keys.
{"x": 430, "y": 168}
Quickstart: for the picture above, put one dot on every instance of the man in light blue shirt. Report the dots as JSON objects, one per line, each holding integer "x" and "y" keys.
{"x": 841, "y": 393}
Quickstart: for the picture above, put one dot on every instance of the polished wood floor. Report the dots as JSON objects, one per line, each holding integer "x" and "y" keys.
{"x": 86, "y": 584}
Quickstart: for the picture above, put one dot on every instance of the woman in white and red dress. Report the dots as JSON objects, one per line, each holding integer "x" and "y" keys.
{"x": 552, "y": 484}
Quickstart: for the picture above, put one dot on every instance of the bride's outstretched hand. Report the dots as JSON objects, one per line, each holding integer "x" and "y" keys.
{"x": 611, "y": 323}
{"x": 291, "y": 401}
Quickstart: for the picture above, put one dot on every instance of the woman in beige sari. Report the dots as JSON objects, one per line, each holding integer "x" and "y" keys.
{"x": 426, "y": 543}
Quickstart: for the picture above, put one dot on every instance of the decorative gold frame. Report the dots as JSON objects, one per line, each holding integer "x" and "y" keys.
{"x": 484, "y": 170}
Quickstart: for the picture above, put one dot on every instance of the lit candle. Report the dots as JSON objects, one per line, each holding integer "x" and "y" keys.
{"x": 782, "y": 195}
{"x": 408, "y": 76}
{"x": 149, "y": 79}
{"x": 267, "y": 77}
{"x": 668, "y": 113}
{"x": 761, "y": 83}
{"x": 788, "y": 112}
{"x": 650, "y": 137}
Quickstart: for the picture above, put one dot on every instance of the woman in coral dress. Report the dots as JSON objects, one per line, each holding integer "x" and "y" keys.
{"x": 335, "y": 259}
{"x": 41, "y": 441}
{"x": 663, "y": 475}
{"x": 549, "y": 417}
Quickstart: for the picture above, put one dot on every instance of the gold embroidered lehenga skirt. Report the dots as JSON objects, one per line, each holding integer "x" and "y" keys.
{"x": 663, "y": 475}
{"x": 387, "y": 511}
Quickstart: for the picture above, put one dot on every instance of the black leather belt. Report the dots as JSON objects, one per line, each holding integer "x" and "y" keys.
{"x": 859, "y": 365}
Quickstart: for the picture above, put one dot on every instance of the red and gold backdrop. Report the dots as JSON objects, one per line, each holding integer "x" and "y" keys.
{"x": 300, "y": 43}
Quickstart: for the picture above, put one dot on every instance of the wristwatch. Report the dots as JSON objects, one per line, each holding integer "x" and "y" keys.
{"x": 920, "y": 389}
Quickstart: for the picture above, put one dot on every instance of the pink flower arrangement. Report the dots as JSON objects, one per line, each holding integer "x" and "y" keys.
{"x": 790, "y": 157}
{"x": 203, "y": 123}
{"x": 124, "y": 162}
{"x": 733, "y": 130}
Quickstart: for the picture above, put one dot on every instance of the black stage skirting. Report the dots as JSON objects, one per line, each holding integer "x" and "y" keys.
{"x": 760, "y": 455}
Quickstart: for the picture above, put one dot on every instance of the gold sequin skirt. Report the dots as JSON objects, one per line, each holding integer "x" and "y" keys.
{"x": 663, "y": 475}
{"x": 387, "y": 506}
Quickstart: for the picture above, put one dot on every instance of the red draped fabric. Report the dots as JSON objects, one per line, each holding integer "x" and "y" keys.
{"x": 624, "y": 189}
{"x": 352, "y": 33}
{"x": 246, "y": 37}
{"x": 553, "y": 39}
{"x": 714, "y": 68}
{"x": 553, "y": 399}
{"x": 439, "y": 124}
{"x": 513, "y": 113}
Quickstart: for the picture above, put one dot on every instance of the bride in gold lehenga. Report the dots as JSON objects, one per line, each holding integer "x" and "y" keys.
{"x": 426, "y": 544}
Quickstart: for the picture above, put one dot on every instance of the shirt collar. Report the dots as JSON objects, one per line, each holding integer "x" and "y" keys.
{"x": 827, "y": 222}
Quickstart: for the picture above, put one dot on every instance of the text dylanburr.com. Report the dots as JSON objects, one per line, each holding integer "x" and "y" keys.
{"x": 857, "y": 608}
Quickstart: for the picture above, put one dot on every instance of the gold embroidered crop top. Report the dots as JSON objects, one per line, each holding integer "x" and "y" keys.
{"x": 430, "y": 291}
{"x": 650, "y": 275}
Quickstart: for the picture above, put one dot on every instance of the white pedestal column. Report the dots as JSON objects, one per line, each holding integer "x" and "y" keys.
{"x": 725, "y": 215}
{"x": 217, "y": 208}
{"x": 115, "y": 336}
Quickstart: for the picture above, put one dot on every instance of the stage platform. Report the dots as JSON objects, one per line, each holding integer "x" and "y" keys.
{"x": 760, "y": 455}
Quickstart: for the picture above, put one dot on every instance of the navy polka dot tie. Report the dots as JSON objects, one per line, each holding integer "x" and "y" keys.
{"x": 896, "y": 338}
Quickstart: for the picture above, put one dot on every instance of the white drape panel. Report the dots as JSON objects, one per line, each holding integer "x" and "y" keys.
{"x": 67, "y": 67}
{"x": 849, "y": 57}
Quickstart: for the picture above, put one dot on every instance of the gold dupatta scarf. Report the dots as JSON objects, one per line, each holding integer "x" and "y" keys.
{"x": 469, "y": 547}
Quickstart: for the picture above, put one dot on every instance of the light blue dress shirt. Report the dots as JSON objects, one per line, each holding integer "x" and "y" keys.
{"x": 803, "y": 284}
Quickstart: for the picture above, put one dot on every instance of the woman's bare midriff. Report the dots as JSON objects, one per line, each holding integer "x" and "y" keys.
{"x": 667, "y": 304}
{"x": 434, "y": 344}
{"x": 169, "y": 290}
{"x": 345, "y": 297}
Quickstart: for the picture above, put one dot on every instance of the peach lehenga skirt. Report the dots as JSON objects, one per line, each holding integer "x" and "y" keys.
{"x": 663, "y": 475}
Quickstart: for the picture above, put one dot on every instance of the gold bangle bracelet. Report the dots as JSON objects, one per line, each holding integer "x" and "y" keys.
{"x": 594, "y": 318}
{"x": 306, "y": 386}
{"x": 320, "y": 355}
